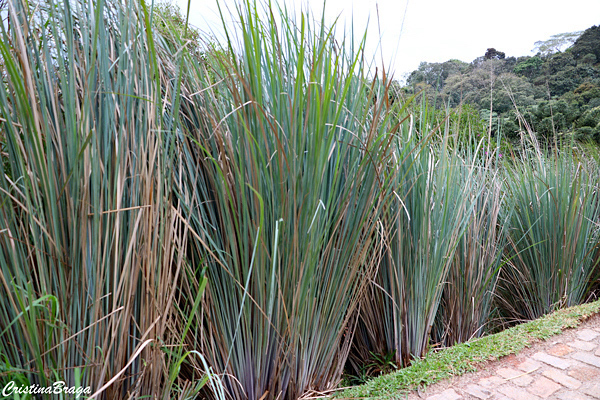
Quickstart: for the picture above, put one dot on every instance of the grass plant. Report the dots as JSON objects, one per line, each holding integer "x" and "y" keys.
{"x": 420, "y": 230}
{"x": 553, "y": 234}
{"x": 468, "y": 298}
{"x": 90, "y": 245}
{"x": 282, "y": 177}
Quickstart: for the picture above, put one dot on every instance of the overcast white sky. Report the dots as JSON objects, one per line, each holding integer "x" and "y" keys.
{"x": 436, "y": 30}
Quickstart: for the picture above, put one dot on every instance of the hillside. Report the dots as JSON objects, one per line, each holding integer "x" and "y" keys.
{"x": 557, "y": 92}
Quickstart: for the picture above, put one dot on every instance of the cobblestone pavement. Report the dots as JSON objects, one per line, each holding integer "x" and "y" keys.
{"x": 565, "y": 367}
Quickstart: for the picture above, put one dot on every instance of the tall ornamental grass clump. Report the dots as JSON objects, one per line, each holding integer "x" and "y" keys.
{"x": 420, "y": 230}
{"x": 90, "y": 245}
{"x": 468, "y": 298}
{"x": 552, "y": 234}
{"x": 281, "y": 176}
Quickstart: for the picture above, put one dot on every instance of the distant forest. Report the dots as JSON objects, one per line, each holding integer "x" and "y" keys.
{"x": 557, "y": 93}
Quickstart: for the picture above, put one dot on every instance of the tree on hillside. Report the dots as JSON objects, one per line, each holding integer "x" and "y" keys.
{"x": 562, "y": 73}
{"x": 493, "y": 54}
{"x": 474, "y": 87}
{"x": 556, "y": 43}
{"x": 559, "y": 62}
{"x": 496, "y": 59}
{"x": 586, "y": 94}
{"x": 587, "y": 127}
{"x": 588, "y": 43}
{"x": 558, "y": 91}
{"x": 468, "y": 88}
{"x": 530, "y": 67}
{"x": 435, "y": 74}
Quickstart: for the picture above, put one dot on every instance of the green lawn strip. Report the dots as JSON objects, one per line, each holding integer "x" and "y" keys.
{"x": 466, "y": 357}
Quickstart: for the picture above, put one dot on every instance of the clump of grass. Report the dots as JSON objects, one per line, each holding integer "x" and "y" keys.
{"x": 468, "y": 356}
{"x": 421, "y": 229}
{"x": 467, "y": 300}
{"x": 282, "y": 180}
{"x": 552, "y": 234}
{"x": 90, "y": 245}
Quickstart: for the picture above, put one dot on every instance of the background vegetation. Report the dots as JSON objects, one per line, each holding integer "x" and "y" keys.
{"x": 255, "y": 219}
{"x": 557, "y": 91}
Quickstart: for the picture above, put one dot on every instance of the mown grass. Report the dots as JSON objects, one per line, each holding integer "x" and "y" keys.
{"x": 469, "y": 356}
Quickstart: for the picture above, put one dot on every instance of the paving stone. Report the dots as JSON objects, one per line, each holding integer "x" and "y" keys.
{"x": 587, "y": 358}
{"x": 591, "y": 389}
{"x": 543, "y": 387}
{"x": 517, "y": 377}
{"x": 566, "y": 369}
{"x": 529, "y": 365}
{"x": 581, "y": 345}
{"x": 491, "y": 382}
{"x": 562, "y": 378}
{"x": 508, "y": 373}
{"x": 569, "y": 395}
{"x": 559, "y": 350}
{"x": 584, "y": 373}
{"x": 587, "y": 334}
{"x": 479, "y": 392}
{"x": 516, "y": 393}
{"x": 552, "y": 360}
{"x": 449, "y": 394}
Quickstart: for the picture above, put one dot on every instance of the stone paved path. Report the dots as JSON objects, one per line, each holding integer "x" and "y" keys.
{"x": 565, "y": 367}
